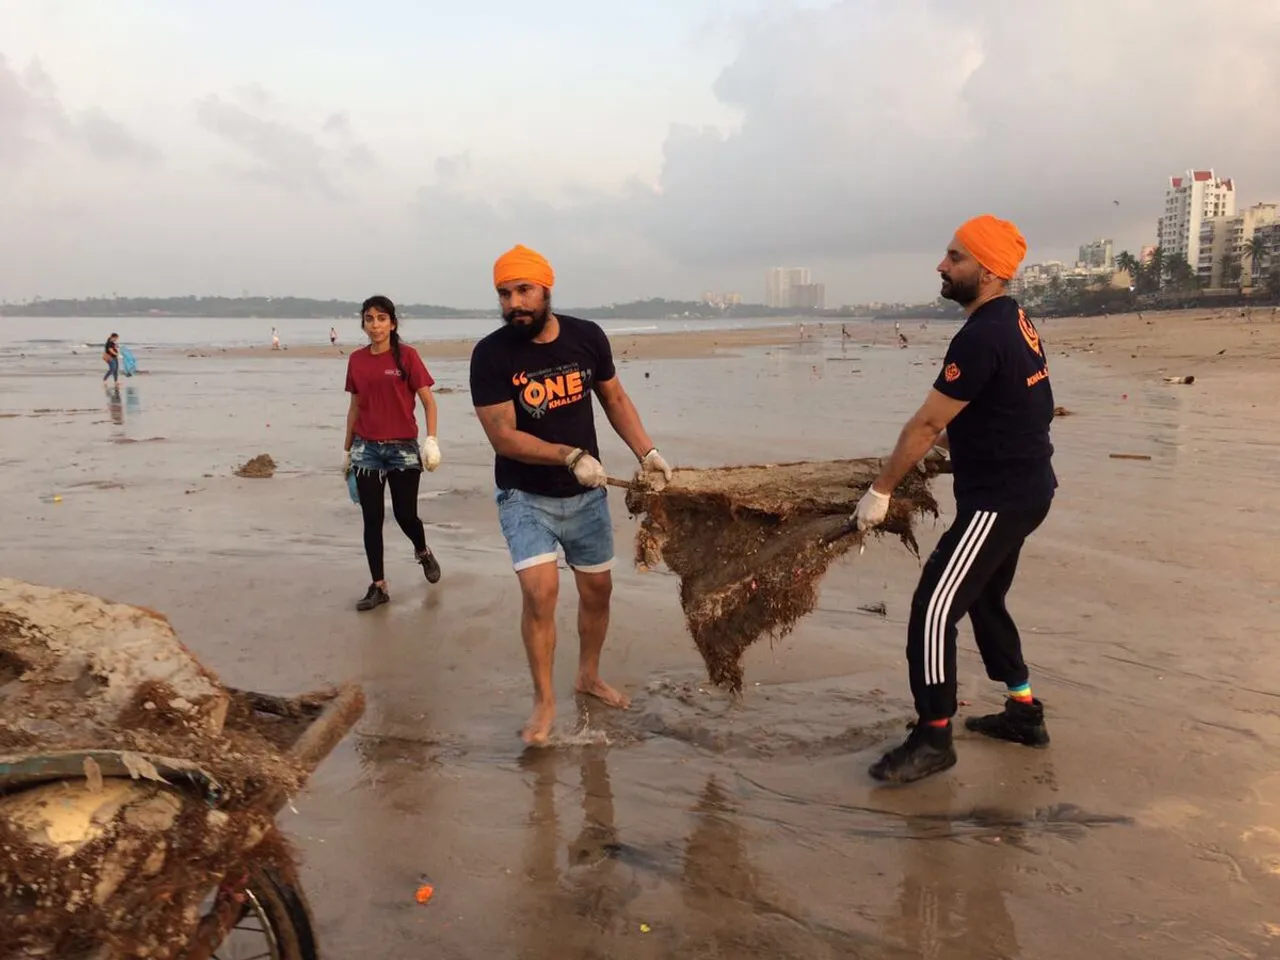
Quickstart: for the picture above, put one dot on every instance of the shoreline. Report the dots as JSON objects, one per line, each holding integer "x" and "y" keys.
{"x": 1195, "y": 342}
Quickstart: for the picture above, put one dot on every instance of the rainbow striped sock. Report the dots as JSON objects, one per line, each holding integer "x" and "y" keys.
{"x": 1021, "y": 693}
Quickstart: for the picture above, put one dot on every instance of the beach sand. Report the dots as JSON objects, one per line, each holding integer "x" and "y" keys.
{"x": 690, "y": 825}
{"x": 649, "y": 346}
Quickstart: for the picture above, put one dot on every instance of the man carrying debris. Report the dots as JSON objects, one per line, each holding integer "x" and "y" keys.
{"x": 991, "y": 405}
{"x": 531, "y": 384}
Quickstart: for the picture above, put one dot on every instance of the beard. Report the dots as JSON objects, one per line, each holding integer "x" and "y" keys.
{"x": 958, "y": 290}
{"x": 537, "y": 321}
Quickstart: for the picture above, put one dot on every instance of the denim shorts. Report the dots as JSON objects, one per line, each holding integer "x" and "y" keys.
{"x": 534, "y": 526}
{"x": 383, "y": 456}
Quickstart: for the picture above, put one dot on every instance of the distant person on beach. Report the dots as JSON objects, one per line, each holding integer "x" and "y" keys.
{"x": 385, "y": 379}
{"x": 531, "y": 383}
{"x": 333, "y": 336}
{"x": 991, "y": 405}
{"x": 111, "y": 356}
{"x": 275, "y": 339}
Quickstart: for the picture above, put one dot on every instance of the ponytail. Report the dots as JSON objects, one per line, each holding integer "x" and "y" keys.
{"x": 395, "y": 353}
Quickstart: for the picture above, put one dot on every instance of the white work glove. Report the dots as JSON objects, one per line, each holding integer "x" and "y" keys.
{"x": 346, "y": 463}
{"x": 430, "y": 453}
{"x": 588, "y": 470}
{"x": 872, "y": 509}
{"x": 652, "y": 465}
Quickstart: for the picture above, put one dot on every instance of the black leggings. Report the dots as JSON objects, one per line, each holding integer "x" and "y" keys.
{"x": 404, "y": 504}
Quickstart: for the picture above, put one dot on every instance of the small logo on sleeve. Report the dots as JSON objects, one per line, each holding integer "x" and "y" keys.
{"x": 1029, "y": 332}
{"x": 951, "y": 374}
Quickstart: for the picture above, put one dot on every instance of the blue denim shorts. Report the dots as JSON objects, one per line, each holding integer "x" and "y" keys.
{"x": 534, "y": 526}
{"x": 387, "y": 455}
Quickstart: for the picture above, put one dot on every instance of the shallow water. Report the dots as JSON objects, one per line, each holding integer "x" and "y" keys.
{"x": 694, "y": 825}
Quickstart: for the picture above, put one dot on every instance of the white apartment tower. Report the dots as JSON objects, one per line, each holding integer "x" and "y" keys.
{"x": 1225, "y": 237}
{"x": 779, "y": 284}
{"x": 1189, "y": 201}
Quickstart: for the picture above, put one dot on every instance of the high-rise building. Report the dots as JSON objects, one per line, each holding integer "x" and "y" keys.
{"x": 1267, "y": 265}
{"x": 1098, "y": 255}
{"x": 808, "y": 296}
{"x": 1188, "y": 202}
{"x": 1223, "y": 242}
{"x": 778, "y": 285}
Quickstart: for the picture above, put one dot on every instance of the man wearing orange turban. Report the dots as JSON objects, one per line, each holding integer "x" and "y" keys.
{"x": 991, "y": 406}
{"x": 532, "y": 383}
{"x": 521, "y": 263}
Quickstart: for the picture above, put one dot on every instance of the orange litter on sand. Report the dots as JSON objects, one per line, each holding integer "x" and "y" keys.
{"x": 425, "y": 892}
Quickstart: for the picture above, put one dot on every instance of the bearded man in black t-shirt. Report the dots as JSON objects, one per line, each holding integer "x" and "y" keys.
{"x": 532, "y": 382}
{"x": 991, "y": 405}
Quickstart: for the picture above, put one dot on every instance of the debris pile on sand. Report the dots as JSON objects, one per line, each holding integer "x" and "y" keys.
{"x": 98, "y": 860}
{"x": 260, "y": 467}
{"x": 750, "y": 543}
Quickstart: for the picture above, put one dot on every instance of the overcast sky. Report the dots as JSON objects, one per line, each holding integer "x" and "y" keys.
{"x": 665, "y": 148}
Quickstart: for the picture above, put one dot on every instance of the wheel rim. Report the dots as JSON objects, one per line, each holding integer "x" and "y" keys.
{"x": 252, "y": 937}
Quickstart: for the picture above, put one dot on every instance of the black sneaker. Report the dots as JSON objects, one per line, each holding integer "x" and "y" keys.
{"x": 1019, "y": 723}
{"x": 926, "y": 751}
{"x": 375, "y": 597}
{"x": 430, "y": 566}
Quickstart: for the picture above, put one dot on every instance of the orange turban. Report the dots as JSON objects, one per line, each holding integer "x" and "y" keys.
{"x": 994, "y": 243}
{"x": 521, "y": 263}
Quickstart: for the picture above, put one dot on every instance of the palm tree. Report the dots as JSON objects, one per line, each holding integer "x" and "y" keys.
{"x": 1177, "y": 270}
{"x": 1126, "y": 262}
{"x": 1153, "y": 271}
{"x": 1230, "y": 266}
{"x": 1253, "y": 250}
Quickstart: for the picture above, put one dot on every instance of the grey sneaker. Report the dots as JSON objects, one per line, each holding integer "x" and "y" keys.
{"x": 375, "y": 597}
{"x": 430, "y": 566}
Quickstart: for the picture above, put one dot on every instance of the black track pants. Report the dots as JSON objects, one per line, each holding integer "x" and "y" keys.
{"x": 969, "y": 572}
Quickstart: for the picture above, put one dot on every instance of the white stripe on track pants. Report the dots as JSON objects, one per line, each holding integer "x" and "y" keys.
{"x": 969, "y": 572}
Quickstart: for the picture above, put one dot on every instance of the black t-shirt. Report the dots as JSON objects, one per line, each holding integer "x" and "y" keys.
{"x": 1000, "y": 448}
{"x": 550, "y": 385}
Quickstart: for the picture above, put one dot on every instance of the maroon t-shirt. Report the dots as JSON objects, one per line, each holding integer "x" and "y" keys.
{"x": 386, "y": 401}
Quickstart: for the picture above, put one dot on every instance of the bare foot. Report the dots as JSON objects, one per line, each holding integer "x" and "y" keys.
{"x": 602, "y": 691}
{"x": 537, "y": 730}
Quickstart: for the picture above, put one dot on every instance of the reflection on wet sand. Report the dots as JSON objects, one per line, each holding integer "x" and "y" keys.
{"x": 698, "y": 896}
{"x": 117, "y": 405}
{"x": 571, "y": 909}
{"x": 952, "y": 900}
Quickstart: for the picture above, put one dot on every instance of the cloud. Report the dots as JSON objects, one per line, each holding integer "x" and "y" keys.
{"x": 872, "y": 126}
{"x": 450, "y": 168}
{"x": 33, "y": 118}
{"x": 283, "y": 154}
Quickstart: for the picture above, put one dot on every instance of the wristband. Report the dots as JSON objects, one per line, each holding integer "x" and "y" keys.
{"x": 574, "y": 457}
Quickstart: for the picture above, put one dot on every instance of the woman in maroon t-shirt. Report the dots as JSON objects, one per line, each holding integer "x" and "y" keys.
{"x": 384, "y": 380}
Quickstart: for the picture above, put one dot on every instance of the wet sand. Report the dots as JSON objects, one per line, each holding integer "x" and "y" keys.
{"x": 647, "y": 346}
{"x": 690, "y": 825}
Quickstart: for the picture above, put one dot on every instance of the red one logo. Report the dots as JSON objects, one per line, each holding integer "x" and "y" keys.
{"x": 952, "y": 373}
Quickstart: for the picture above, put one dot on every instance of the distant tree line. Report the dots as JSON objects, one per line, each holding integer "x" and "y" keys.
{"x": 269, "y": 308}
{"x": 1164, "y": 281}
{"x": 283, "y": 308}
